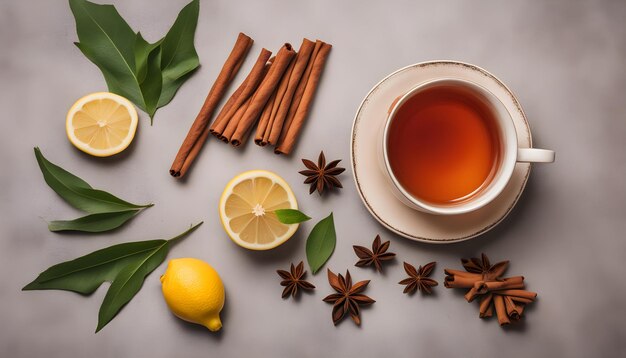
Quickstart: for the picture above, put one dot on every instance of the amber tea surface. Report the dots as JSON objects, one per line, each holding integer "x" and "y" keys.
{"x": 443, "y": 145}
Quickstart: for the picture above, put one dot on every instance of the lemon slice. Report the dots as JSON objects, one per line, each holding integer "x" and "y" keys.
{"x": 101, "y": 124}
{"x": 247, "y": 209}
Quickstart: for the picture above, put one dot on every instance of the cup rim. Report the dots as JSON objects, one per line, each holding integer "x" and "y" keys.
{"x": 498, "y": 183}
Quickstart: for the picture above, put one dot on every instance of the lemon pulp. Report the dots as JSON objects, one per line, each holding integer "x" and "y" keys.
{"x": 247, "y": 209}
{"x": 101, "y": 124}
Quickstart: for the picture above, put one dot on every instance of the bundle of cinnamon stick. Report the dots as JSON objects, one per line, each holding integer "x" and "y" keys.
{"x": 276, "y": 96}
{"x": 485, "y": 282}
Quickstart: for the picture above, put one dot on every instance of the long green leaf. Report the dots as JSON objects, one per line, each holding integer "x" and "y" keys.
{"x": 125, "y": 265}
{"x": 78, "y": 193}
{"x": 58, "y": 173}
{"x": 128, "y": 282}
{"x": 108, "y": 41}
{"x": 94, "y": 222}
{"x": 86, "y": 273}
{"x": 321, "y": 243}
{"x": 178, "y": 56}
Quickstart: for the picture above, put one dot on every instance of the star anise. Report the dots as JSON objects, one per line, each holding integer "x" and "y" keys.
{"x": 375, "y": 256}
{"x": 483, "y": 266}
{"x": 348, "y": 297}
{"x": 418, "y": 280}
{"x": 322, "y": 175}
{"x": 294, "y": 280}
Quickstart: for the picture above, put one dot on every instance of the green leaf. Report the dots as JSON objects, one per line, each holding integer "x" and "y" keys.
{"x": 108, "y": 41}
{"x": 142, "y": 50}
{"x": 290, "y": 216}
{"x": 86, "y": 273}
{"x": 78, "y": 193}
{"x": 59, "y": 173}
{"x": 128, "y": 282}
{"x": 151, "y": 86}
{"x": 94, "y": 222}
{"x": 147, "y": 74}
{"x": 321, "y": 243}
{"x": 178, "y": 56}
{"x": 168, "y": 92}
{"x": 130, "y": 279}
{"x": 125, "y": 265}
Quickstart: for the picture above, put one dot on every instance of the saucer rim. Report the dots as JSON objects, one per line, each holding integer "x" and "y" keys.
{"x": 407, "y": 235}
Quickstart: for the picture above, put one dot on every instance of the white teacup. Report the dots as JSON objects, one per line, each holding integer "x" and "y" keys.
{"x": 510, "y": 152}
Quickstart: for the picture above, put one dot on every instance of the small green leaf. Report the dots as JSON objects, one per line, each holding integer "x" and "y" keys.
{"x": 169, "y": 90}
{"x": 290, "y": 216}
{"x": 151, "y": 86}
{"x": 321, "y": 243}
{"x": 179, "y": 53}
{"x": 142, "y": 50}
{"x": 179, "y": 58}
{"x": 125, "y": 265}
{"x": 94, "y": 222}
{"x": 77, "y": 192}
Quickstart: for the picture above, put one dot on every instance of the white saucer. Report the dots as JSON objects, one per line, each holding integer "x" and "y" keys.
{"x": 373, "y": 186}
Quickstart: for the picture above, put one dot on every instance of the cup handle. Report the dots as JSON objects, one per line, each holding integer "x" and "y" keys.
{"x": 534, "y": 155}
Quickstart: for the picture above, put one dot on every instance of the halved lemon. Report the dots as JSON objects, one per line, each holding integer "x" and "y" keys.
{"x": 247, "y": 209}
{"x": 101, "y": 124}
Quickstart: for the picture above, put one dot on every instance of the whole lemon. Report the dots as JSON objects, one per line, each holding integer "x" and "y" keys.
{"x": 194, "y": 292}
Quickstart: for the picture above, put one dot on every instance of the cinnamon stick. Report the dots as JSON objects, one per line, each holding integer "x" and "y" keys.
{"x": 459, "y": 273}
{"x": 456, "y": 281}
{"x": 274, "y": 102}
{"x": 285, "y": 94}
{"x": 297, "y": 96}
{"x": 264, "y": 121}
{"x": 485, "y": 305}
{"x": 498, "y": 302}
{"x": 234, "y": 121}
{"x": 293, "y": 125}
{"x": 239, "y": 97}
{"x": 489, "y": 312}
{"x": 511, "y": 309}
{"x": 196, "y": 137}
{"x": 522, "y": 294}
{"x": 520, "y": 299}
{"x": 508, "y": 283}
{"x": 220, "y": 122}
{"x": 283, "y": 58}
{"x": 471, "y": 294}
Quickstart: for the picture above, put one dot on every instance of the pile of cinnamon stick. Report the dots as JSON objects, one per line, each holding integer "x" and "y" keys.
{"x": 276, "y": 96}
{"x": 485, "y": 282}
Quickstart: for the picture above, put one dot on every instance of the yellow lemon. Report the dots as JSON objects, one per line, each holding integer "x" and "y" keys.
{"x": 247, "y": 209}
{"x": 101, "y": 124}
{"x": 194, "y": 292}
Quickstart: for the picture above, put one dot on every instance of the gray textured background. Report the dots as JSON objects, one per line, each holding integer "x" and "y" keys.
{"x": 564, "y": 59}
